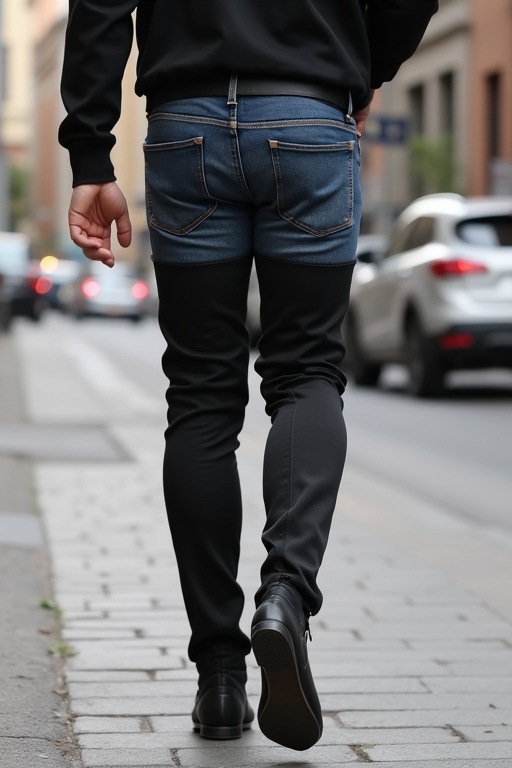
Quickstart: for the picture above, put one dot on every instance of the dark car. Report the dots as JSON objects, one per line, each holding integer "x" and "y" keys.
{"x": 24, "y": 287}
{"x": 5, "y": 305}
{"x": 102, "y": 292}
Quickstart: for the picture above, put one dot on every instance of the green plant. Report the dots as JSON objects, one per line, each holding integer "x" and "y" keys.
{"x": 61, "y": 649}
{"x": 19, "y": 186}
{"x": 433, "y": 164}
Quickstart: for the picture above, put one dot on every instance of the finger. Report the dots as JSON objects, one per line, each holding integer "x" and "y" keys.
{"x": 82, "y": 239}
{"x": 124, "y": 230}
{"x": 100, "y": 254}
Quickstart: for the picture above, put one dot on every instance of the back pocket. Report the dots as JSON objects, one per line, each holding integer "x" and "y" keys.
{"x": 315, "y": 185}
{"x": 177, "y": 198}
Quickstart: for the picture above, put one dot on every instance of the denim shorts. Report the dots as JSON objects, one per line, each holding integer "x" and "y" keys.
{"x": 276, "y": 176}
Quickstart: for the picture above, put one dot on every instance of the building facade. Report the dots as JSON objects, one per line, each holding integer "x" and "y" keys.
{"x": 432, "y": 95}
{"x": 16, "y": 115}
{"x": 491, "y": 97}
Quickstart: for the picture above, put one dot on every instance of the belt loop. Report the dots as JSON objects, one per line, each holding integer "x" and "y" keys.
{"x": 232, "y": 90}
{"x": 349, "y": 108}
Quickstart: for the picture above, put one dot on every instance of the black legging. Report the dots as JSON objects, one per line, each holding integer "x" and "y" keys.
{"x": 202, "y": 317}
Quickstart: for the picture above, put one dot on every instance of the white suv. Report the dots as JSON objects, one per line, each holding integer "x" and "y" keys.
{"x": 440, "y": 297}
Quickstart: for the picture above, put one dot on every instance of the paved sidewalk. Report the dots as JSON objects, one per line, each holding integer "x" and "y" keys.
{"x": 413, "y": 662}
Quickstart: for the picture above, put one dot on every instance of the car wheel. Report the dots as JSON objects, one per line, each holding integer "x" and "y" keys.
{"x": 36, "y": 310}
{"x": 426, "y": 375}
{"x": 364, "y": 372}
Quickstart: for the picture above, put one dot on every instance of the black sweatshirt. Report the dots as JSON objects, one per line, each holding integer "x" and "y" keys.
{"x": 351, "y": 44}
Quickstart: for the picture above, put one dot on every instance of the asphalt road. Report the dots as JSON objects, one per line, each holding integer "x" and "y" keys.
{"x": 454, "y": 452}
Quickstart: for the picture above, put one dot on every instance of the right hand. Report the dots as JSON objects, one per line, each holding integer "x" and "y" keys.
{"x": 362, "y": 116}
{"x": 92, "y": 210}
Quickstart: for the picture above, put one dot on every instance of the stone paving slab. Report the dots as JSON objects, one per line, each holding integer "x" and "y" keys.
{"x": 412, "y": 701}
{"x": 470, "y": 751}
{"x": 164, "y": 705}
{"x": 106, "y": 676}
{"x": 486, "y": 684}
{"x": 403, "y": 719}
{"x": 109, "y": 725}
{"x": 485, "y": 733}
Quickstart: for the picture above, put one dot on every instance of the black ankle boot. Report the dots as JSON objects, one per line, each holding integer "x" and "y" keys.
{"x": 289, "y": 711}
{"x": 221, "y": 710}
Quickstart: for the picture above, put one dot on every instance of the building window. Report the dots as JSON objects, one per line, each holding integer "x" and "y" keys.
{"x": 494, "y": 115}
{"x": 447, "y": 99}
{"x": 417, "y": 185}
{"x": 417, "y": 109}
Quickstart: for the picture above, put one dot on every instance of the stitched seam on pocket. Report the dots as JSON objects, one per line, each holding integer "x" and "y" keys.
{"x": 189, "y": 119}
{"x": 349, "y": 145}
{"x": 196, "y": 143}
{"x": 292, "y": 123}
{"x": 342, "y": 146}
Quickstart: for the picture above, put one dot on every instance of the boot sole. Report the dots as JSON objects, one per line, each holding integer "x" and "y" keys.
{"x": 221, "y": 732}
{"x": 286, "y": 717}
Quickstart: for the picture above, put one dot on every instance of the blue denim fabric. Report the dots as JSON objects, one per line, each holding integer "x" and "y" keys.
{"x": 276, "y": 176}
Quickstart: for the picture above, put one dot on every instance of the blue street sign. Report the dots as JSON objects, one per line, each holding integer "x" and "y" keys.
{"x": 382, "y": 129}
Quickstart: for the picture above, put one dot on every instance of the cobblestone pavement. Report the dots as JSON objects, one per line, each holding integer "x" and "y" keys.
{"x": 413, "y": 662}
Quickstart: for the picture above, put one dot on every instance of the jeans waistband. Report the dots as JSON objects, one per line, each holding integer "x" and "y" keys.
{"x": 250, "y": 86}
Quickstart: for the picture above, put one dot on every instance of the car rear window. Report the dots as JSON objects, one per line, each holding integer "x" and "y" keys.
{"x": 487, "y": 231}
{"x": 14, "y": 257}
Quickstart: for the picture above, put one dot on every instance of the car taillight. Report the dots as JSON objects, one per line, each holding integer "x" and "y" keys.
{"x": 42, "y": 285}
{"x": 140, "y": 290}
{"x": 457, "y": 341}
{"x": 457, "y": 268}
{"x": 90, "y": 288}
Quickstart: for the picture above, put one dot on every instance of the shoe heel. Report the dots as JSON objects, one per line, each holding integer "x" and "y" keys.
{"x": 272, "y": 645}
{"x": 221, "y": 732}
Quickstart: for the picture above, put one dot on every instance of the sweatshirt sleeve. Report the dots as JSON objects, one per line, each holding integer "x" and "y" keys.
{"x": 395, "y": 29}
{"x": 98, "y": 42}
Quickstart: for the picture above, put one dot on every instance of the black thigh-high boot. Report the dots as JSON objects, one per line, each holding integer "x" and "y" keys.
{"x": 201, "y": 315}
{"x": 301, "y": 352}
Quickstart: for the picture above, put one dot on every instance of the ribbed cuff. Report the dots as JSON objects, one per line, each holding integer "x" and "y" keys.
{"x": 91, "y": 164}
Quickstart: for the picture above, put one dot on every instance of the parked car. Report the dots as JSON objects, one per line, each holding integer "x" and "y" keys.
{"x": 440, "y": 297}
{"x": 368, "y": 247}
{"x": 102, "y": 292}
{"x": 24, "y": 285}
{"x": 60, "y": 272}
